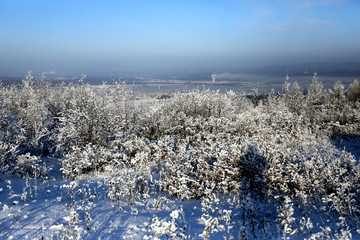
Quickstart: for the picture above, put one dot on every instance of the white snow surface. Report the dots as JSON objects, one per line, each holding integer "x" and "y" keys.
{"x": 48, "y": 215}
{"x": 63, "y": 209}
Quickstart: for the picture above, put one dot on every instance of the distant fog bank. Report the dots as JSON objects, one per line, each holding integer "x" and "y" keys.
{"x": 245, "y": 78}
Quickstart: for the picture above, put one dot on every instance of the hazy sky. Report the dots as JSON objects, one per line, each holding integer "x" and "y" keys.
{"x": 68, "y": 36}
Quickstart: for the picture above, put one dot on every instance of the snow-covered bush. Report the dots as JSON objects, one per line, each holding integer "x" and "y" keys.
{"x": 92, "y": 116}
{"x": 354, "y": 91}
{"x": 197, "y": 171}
{"x": 25, "y": 121}
{"x": 313, "y": 172}
{"x": 7, "y": 155}
{"x": 294, "y": 98}
{"x": 83, "y": 118}
{"x": 129, "y": 185}
{"x": 315, "y": 99}
{"x": 28, "y": 165}
{"x": 336, "y": 104}
{"x": 33, "y": 115}
{"x": 171, "y": 228}
{"x": 82, "y": 160}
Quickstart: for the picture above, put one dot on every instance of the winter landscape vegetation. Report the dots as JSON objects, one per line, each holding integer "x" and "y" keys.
{"x": 85, "y": 162}
{"x": 226, "y": 119}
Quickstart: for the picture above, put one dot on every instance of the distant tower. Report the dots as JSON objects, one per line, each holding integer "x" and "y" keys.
{"x": 287, "y": 78}
{"x": 287, "y": 83}
{"x": 213, "y": 77}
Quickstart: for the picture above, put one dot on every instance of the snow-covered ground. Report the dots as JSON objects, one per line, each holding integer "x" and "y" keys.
{"x": 57, "y": 208}
{"x": 80, "y": 209}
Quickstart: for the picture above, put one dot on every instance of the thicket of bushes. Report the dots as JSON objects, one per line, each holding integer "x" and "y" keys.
{"x": 191, "y": 145}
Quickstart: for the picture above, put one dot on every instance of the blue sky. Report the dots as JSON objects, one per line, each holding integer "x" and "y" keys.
{"x": 70, "y": 36}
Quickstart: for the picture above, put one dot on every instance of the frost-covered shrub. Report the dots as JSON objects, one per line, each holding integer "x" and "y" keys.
{"x": 149, "y": 120}
{"x": 82, "y": 120}
{"x": 313, "y": 171}
{"x": 129, "y": 185}
{"x": 30, "y": 166}
{"x": 194, "y": 104}
{"x": 7, "y": 155}
{"x": 294, "y": 98}
{"x": 197, "y": 170}
{"x": 336, "y": 104}
{"x": 253, "y": 166}
{"x": 91, "y": 116}
{"x": 9, "y": 138}
{"x": 130, "y": 152}
{"x": 87, "y": 159}
{"x": 24, "y": 120}
{"x": 354, "y": 91}
{"x": 33, "y": 115}
{"x": 315, "y": 103}
{"x": 26, "y": 115}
